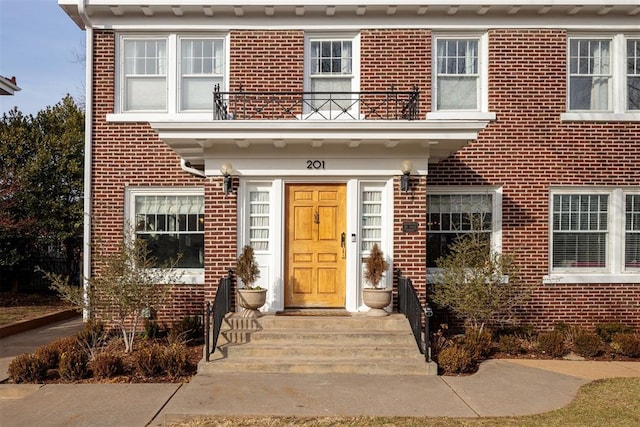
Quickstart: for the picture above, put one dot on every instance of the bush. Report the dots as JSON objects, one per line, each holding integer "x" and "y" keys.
{"x": 27, "y": 368}
{"x": 626, "y": 344}
{"x": 510, "y": 344}
{"x": 607, "y": 330}
{"x": 149, "y": 361}
{"x": 189, "y": 329}
{"x": 176, "y": 360}
{"x": 49, "y": 355}
{"x": 92, "y": 336}
{"x": 587, "y": 344}
{"x": 478, "y": 343}
{"x": 107, "y": 364}
{"x": 551, "y": 343}
{"x": 73, "y": 364}
{"x": 151, "y": 329}
{"x": 455, "y": 359}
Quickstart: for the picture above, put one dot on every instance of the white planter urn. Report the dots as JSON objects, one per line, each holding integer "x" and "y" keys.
{"x": 376, "y": 300}
{"x": 251, "y": 300}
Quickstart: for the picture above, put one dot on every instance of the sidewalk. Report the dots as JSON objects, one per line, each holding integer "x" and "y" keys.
{"x": 499, "y": 388}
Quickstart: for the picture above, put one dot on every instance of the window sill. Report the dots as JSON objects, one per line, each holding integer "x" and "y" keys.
{"x": 461, "y": 115}
{"x": 159, "y": 117}
{"x": 553, "y": 279}
{"x": 191, "y": 276}
{"x": 600, "y": 117}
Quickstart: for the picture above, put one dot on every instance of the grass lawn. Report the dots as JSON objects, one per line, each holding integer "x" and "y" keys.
{"x": 18, "y": 307}
{"x": 612, "y": 403}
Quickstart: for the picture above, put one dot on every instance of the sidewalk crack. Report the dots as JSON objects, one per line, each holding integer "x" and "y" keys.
{"x": 460, "y": 397}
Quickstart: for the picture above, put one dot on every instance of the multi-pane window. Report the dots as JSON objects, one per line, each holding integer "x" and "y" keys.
{"x": 590, "y": 73}
{"x": 632, "y": 232}
{"x": 633, "y": 74}
{"x": 202, "y": 67}
{"x": 371, "y": 232}
{"x": 457, "y": 74}
{"x": 452, "y": 216}
{"x": 259, "y": 220}
{"x": 331, "y": 72}
{"x": 145, "y": 75}
{"x": 580, "y": 230}
{"x": 173, "y": 227}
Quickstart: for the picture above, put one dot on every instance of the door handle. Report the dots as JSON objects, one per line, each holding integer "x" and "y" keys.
{"x": 343, "y": 244}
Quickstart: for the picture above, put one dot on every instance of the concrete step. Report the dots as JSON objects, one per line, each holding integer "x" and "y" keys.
{"x": 288, "y": 337}
{"x": 313, "y": 351}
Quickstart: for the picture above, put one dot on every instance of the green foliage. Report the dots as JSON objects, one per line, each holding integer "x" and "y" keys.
{"x": 375, "y": 266}
{"x": 151, "y": 328}
{"x": 107, "y": 364}
{"x": 626, "y": 344}
{"x": 587, "y": 344}
{"x": 247, "y": 268}
{"x": 607, "y": 330}
{"x": 74, "y": 364}
{"x": 455, "y": 359}
{"x": 510, "y": 344}
{"x": 27, "y": 368}
{"x": 149, "y": 360}
{"x": 551, "y": 343}
{"x": 41, "y": 183}
{"x": 481, "y": 286}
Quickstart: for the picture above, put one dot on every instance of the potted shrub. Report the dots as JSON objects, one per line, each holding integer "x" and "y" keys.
{"x": 374, "y": 296}
{"x": 250, "y": 297}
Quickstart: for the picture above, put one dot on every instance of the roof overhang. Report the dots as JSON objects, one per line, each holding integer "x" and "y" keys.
{"x": 432, "y": 140}
{"x": 8, "y": 86}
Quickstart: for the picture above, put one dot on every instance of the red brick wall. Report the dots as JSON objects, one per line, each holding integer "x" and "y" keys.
{"x": 129, "y": 154}
{"x": 527, "y": 150}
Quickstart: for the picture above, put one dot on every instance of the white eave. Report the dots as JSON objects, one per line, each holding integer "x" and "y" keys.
{"x": 7, "y": 87}
{"x": 163, "y": 14}
{"x": 434, "y": 139}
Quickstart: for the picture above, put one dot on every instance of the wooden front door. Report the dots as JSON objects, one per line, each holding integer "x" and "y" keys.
{"x": 315, "y": 251}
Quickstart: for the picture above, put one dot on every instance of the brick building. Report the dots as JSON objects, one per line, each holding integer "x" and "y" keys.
{"x": 334, "y": 127}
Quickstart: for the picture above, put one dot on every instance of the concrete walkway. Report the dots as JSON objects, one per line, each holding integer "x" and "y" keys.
{"x": 499, "y": 388}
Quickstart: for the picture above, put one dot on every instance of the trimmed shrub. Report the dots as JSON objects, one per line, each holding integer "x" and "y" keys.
{"x": 107, "y": 364}
{"x": 455, "y": 359}
{"x": 626, "y": 344}
{"x": 49, "y": 355}
{"x": 551, "y": 343}
{"x": 587, "y": 344}
{"x": 27, "y": 368}
{"x": 478, "y": 343}
{"x": 149, "y": 361}
{"x": 74, "y": 364}
{"x": 176, "y": 360}
{"x": 510, "y": 344}
{"x": 607, "y": 330}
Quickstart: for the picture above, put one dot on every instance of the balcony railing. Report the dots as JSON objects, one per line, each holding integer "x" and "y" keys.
{"x": 368, "y": 105}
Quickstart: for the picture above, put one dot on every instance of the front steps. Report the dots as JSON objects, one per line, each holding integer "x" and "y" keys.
{"x": 318, "y": 344}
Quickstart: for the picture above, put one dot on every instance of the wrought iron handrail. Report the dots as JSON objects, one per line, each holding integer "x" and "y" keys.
{"x": 409, "y": 304}
{"x": 291, "y": 105}
{"x": 218, "y": 310}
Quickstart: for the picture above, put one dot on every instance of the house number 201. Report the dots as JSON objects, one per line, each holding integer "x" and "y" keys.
{"x": 315, "y": 164}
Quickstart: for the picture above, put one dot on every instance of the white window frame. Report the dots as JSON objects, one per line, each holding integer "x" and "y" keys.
{"x": 496, "y": 215}
{"x": 614, "y": 270}
{"x": 180, "y": 76}
{"x": 354, "y": 38}
{"x": 124, "y": 77}
{"x": 189, "y": 275}
{"x": 482, "y": 112}
{"x": 173, "y": 109}
{"x": 628, "y": 74}
{"x": 618, "y": 110}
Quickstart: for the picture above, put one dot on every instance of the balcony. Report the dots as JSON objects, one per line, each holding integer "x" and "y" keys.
{"x": 367, "y": 105}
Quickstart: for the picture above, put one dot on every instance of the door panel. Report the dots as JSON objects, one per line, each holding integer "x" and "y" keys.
{"x": 315, "y": 220}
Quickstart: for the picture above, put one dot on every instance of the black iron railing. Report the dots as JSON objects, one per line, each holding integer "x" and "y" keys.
{"x": 218, "y": 310}
{"x": 418, "y": 316}
{"x": 368, "y": 105}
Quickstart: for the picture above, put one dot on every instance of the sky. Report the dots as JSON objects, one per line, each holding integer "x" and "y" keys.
{"x": 40, "y": 46}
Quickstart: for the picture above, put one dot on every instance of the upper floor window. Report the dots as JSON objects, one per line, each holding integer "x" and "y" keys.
{"x": 145, "y": 75}
{"x": 595, "y": 231}
{"x": 457, "y": 74}
{"x": 332, "y": 69}
{"x": 455, "y": 214}
{"x": 169, "y": 73}
{"x": 603, "y": 78}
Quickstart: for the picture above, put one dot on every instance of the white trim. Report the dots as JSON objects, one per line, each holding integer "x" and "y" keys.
{"x": 614, "y": 270}
{"x": 192, "y": 276}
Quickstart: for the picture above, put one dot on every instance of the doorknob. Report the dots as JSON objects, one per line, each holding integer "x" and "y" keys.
{"x": 343, "y": 244}
{"x": 316, "y": 217}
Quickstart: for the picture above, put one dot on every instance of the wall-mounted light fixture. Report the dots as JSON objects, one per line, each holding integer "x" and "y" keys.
{"x": 227, "y": 183}
{"x": 406, "y": 167}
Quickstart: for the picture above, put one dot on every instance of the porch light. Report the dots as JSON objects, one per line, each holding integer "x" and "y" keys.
{"x": 406, "y": 167}
{"x": 227, "y": 184}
